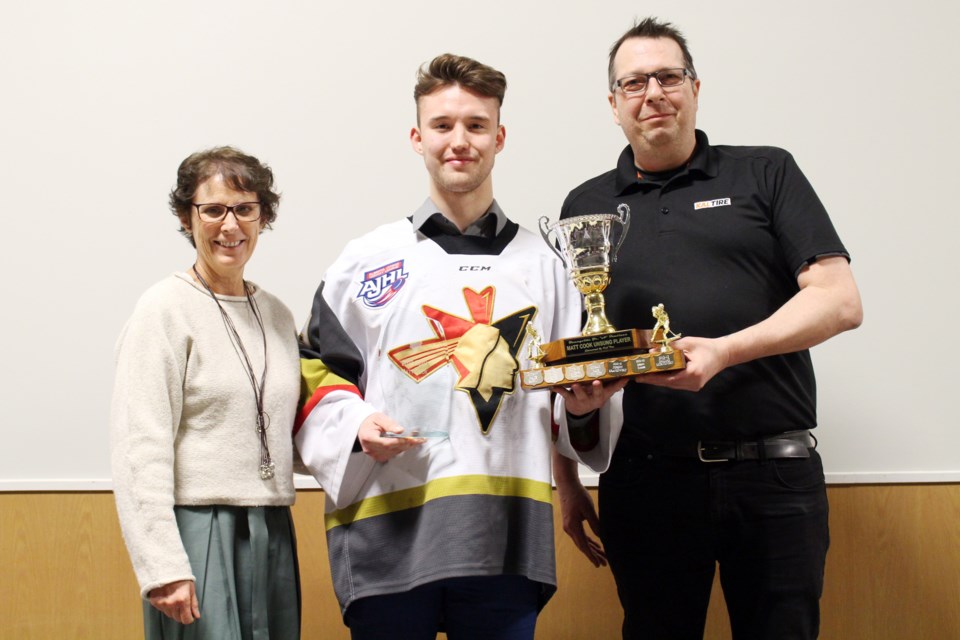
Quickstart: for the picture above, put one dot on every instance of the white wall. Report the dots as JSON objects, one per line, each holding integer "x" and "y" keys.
{"x": 101, "y": 100}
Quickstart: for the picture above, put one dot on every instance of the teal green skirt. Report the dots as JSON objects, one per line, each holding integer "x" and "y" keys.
{"x": 248, "y": 580}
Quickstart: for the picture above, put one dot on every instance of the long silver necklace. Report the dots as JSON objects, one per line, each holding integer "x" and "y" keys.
{"x": 267, "y": 468}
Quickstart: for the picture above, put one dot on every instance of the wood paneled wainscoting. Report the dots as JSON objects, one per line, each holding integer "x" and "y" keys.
{"x": 893, "y": 571}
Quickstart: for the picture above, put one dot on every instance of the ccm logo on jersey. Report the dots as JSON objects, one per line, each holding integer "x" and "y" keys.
{"x": 474, "y": 267}
{"x": 707, "y": 204}
{"x": 380, "y": 285}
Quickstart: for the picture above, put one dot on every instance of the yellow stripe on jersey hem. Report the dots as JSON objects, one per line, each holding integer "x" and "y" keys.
{"x": 440, "y": 488}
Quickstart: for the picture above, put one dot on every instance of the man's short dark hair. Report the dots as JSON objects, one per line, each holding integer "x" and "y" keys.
{"x": 240, "y": 171}
{"x": 652, "y": 28}
{"x": 448, "y": 69}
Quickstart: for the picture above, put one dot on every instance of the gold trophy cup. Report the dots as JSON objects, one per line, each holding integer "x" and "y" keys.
{"x": 587, "y": 245}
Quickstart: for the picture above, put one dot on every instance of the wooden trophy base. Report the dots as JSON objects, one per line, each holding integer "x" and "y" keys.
{"x": 631, "y": 352}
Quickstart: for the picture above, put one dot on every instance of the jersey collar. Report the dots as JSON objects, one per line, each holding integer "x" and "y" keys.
{"x": 704, "y": 161}
{"x": 481, "y": 227}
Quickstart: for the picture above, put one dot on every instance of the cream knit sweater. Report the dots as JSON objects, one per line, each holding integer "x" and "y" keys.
{"x": 183, "y": 417}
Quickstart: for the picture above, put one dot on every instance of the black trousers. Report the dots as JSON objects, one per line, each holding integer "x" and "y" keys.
{"x": 502, "y": 607}
{"x": 666, "y": 523}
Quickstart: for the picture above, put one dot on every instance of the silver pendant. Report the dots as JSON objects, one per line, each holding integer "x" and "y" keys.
{"x": 267, "y": 471}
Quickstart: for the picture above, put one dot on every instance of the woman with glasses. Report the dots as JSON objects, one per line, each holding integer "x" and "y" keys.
{"x": 207, "y": 383}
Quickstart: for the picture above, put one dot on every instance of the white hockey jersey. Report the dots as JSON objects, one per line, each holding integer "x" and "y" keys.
{"x": 429, "y": 329}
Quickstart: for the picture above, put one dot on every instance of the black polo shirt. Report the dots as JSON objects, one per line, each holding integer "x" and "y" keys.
{"x": 719, "y": 243}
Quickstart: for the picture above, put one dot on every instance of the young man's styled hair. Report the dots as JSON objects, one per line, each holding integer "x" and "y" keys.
{"x": 448, "y": 69}
{"x": 651, "y": 28}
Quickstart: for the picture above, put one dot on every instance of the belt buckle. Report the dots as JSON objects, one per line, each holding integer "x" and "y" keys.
{"x": 702, "y": 459}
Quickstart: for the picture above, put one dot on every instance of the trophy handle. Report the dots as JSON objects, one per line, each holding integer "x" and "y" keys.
{"x": 624, "y": 210}
{"x": 545, "y": 232}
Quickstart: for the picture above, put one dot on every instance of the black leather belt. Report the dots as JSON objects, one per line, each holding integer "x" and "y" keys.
{"x": 791, "y": 444}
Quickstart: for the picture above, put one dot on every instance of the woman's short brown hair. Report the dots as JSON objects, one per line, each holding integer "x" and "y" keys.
{"x": 240, "y": 171}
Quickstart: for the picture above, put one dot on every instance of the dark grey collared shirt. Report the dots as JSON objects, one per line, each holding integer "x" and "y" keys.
{"x": 489, "y": 225}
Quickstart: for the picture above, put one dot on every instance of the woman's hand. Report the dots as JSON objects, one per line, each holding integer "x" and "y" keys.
{"x": 177, "y": 600}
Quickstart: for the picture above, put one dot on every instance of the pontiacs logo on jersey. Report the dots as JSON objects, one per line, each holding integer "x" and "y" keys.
{"x": 483, "y": 351}
{"x": 380, "y": 285}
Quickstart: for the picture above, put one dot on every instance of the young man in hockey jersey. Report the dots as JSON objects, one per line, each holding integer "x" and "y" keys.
{"x": 436, "y": 466}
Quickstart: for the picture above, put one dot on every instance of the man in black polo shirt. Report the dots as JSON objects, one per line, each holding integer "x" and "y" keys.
{"x": 715, "y": 463}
